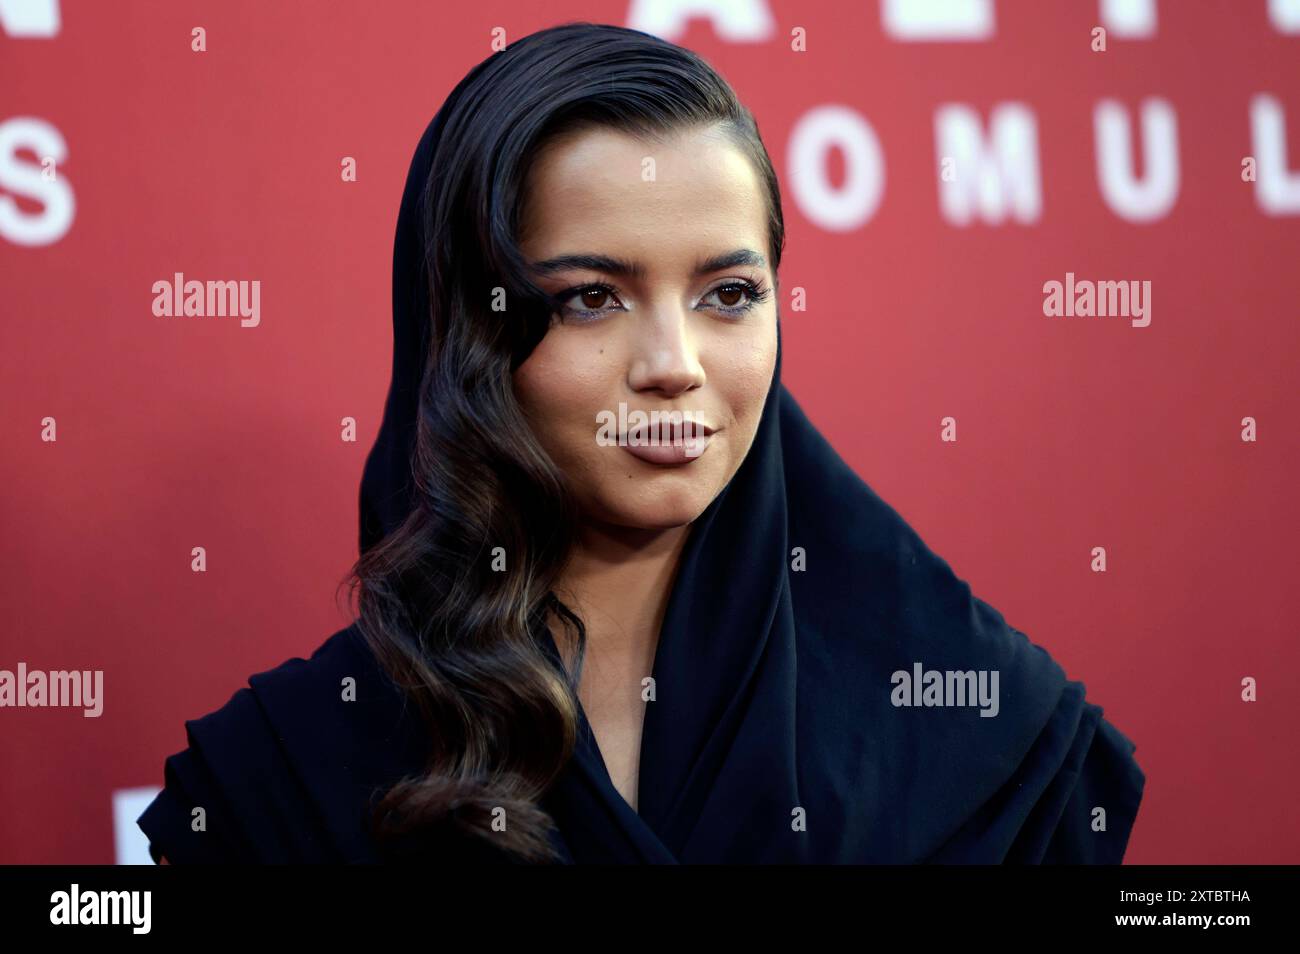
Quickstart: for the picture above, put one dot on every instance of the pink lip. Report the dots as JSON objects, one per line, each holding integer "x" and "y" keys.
{"x": 669, "y": 454}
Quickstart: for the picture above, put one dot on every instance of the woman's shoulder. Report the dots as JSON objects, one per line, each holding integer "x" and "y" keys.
{"x": 285, "y": 769}
{"x": 945, "y": 683}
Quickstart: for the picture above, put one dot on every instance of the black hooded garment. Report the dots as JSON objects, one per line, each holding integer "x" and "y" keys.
{"x": 774, "y": 735}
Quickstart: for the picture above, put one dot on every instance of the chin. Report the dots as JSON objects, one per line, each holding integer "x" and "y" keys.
{"x": 654, "y": 509}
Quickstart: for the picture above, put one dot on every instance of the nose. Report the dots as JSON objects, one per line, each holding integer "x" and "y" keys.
{"x": 665, "y": 357}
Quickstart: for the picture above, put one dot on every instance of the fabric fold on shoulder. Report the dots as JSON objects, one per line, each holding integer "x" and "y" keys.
{"x": 346, "y": 732}
{"x": 287, "y": 770}
{"x": 1046, "y": 811}
{"x": 254, "y": 809}
{"x": 172, "y": 826}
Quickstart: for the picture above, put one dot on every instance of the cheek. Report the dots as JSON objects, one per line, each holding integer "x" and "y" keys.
{"x": 560, "y": 389}
{"x": 745, "y": 375}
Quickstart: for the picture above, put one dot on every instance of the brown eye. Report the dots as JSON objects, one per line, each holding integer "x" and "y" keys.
{"x": 738, "y": 297}
{"x": 727, "y": 292}
{"x": 584, "y": 303}
{"x": 593, "y": 297}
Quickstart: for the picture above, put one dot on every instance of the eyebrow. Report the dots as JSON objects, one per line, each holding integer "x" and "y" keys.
{"x": 618, "y": 266}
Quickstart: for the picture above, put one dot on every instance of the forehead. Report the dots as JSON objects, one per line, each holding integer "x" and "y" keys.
{"x": 690, "y": 192}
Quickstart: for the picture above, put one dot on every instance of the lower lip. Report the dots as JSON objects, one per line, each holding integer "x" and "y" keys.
{"x": 669, "y": 455}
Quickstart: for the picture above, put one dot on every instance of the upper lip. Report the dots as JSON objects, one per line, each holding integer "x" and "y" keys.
{"x": 672, "y": 430}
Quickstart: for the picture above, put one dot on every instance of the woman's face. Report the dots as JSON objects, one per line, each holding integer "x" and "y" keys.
{"x": 672, "y": 308}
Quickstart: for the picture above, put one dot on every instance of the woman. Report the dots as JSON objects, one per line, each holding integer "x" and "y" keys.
{"x": 577, "y": 645}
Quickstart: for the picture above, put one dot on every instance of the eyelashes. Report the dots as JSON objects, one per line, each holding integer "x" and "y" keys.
{"x": 755, "y": 293}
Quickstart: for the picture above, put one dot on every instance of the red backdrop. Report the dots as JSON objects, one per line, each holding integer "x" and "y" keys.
{"x": 924, "y": 296}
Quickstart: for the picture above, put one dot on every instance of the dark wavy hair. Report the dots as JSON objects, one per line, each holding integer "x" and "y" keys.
{"x": 460, "y": 639}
